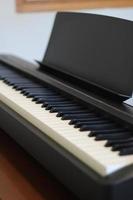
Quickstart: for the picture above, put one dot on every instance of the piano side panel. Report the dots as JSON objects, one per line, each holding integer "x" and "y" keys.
{"x": 84, "y": 182}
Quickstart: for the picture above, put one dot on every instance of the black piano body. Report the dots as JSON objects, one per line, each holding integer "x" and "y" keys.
{"x": 81, "y": 51}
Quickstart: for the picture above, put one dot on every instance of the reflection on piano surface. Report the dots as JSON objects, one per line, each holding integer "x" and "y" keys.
{"x": 69, "y": 114}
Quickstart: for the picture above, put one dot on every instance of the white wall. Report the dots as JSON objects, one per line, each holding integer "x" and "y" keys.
{"x": 27, "y": 35}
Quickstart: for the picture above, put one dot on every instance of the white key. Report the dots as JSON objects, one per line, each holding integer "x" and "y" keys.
{"x": 86, "y": 149}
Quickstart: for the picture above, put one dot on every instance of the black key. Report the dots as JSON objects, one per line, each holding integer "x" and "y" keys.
{"x": 80, "y": 120}
{"x": 66, "y": 113}
{"x": 119, "y": 141}
{"x": 13, "y": 81}
{"x": 74, "y": 115}
{"x": 17, "y": 87}
{"x": 35, "y": 94}
{"x": 107, "y": 131}
{"x": 19, "y": 81}
{"x": 16, "y": 80}
{"x": 3, "y": 77}
{"x": 117, "y": 147}
{"x": 42, "y": 101}
{"x": 7, "y": 73}
{"x": 91, "y": 117}
{"x": 67, "y": 108}
{"x": 46, "y": 103}
{"x": 10, "y": 76}
{"x": 97, "y": 127}
{"x": 123, "y": 135}
{"x": 60, "y": 103}
{"x": 126, "y": 151}
{"x": 45, "y": 94}
{"x": 54, "y": 99}
{"x": 5, "y": 70}
{"x": 42, "y": 97}
{"x": 36, "y": 90}
{"x": 31, "y": 86}
{"x": 31, "y": 83}
{"x": 27, "y": 85}
{"x": 90, "y": 122}
{"x": 48, "y": 107}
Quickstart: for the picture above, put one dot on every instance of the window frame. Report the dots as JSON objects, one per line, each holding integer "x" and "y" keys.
{"x": 61, "y": 5}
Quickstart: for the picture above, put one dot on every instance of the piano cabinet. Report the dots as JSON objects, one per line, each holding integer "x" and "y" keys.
{"x": 72, "y": 119}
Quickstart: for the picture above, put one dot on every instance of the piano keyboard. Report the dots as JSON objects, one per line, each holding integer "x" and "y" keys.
{"x": 95, "y": 139}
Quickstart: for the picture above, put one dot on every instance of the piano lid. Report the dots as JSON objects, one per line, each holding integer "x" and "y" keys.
{"x": 93, "y": 48}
